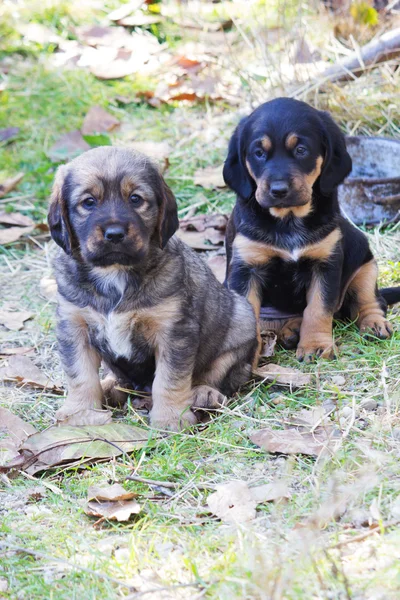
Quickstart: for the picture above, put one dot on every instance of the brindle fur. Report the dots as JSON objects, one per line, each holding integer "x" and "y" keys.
{"x": 289, "y": 248}
{"x": 148, "y": 306}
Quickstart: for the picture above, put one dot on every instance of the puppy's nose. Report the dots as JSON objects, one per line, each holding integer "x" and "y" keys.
{"x": 114, "y": 234}
{"x": 279, "y": 189}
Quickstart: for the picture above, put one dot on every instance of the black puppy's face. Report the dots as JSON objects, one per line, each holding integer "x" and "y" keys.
{"x": 109, "y": 205}
{"x": 281, "y": 152}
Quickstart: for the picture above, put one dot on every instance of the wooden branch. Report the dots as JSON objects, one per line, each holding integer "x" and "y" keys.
{"x": 384, "y": 48}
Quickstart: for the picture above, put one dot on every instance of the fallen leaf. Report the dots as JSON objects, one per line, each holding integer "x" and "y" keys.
{"x": 22, "y": 370}
{"x": 214, "y": 236}
{"x": 210, "y": 177}
{"x": 13, "y": 431}
{"x": 289, "y": 441}
{"x": 217, "y": 265}
{"x": 89, "y": 416}
{"x": 113, "y": 511}
{"x": 98, "y": 120}
{"x": 13, "y": 234}
{"x": 15, "y": 219}
{"x": 233, "y": 502}
{"x": 17, "y": 350}
{"x": 118, "y": 68}
{"x": 15, "y": 320}
{"x": 9, "y": 184}
{"x": 65, "y": 444}
{"x": 187, "y": 64}
{"x": 139, "y": 20}
{"x": 48, "y": 288}
{"x": 159, "y": 151}
{"x": 308, "y": 419}
{"x": 123, "y": 11}
{"x": 8, "y": 134}
{"x": 269, "y": 492}
{"x": 196, "y": 240}
{"x": 68, "y": 146}
{"x": 110, "y": 493}
{"x": 283, "y": 375}
{"x": 269, "y": 342}
{"x": 202, "y": 222}
{"x": 39, "y": 34}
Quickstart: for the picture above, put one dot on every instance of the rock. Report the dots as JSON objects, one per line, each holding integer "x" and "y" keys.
{"x": 338, "y": 380}
{"x": 359, "y": 518}
{"x": 346, "y": 412}
{"x": 328, "y": 406}
{"x": 369, "y": 404}
{"x": 396, "y": 433}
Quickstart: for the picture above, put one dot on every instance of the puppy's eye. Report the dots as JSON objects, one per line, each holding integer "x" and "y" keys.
{"x": 89, "y": 202}
{"x": 259, "y": 153}
{"x": 135, "y": 199}
{"x": 301, "y": 151}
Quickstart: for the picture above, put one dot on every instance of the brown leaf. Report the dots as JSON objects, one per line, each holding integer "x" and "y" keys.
{"x": 289, "y": 441}
{"x": 110, "y": 493}
{"x": 98, "y": 120}
{"x": 214, "y": 236}
{"x": 188, "y": 64}
{"x": 22, "y": 370}
{"x": 113, "y": 511}
{"x": 13, "y": 234}
{"x": 270, "y": 492}
{"x": 139, "y": 20}
{"x": 123, "y": 11}
{"x": 210, "y": 177}
{"x": 233, "y": 502}
{"x": 13, "y": 431}
{"x": 269, "y": 342}
{"x": 89, "y": 416}
{"x": 195, "y": 239}
{"x": 39, "y": 34}
{"x": 283, "y": 375}
{"x": 48, "y": 288}
{"x": 8, "y": 133}
{"x": 9, "y": 184}
{"x": 159, "y": 151}
{"x": 202, "y": 222}
{"x": 217, "y": 265}
{"x": 15, "y": 219}
{"x": 66, "y": 444}
{"x": 15, "y": 320}
{"x": 118, "y": 68}
{"x": 68, "y": 146}
{"x": 28, "y": 350}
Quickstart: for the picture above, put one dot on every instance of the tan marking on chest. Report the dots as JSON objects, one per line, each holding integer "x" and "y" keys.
{"x": 257, "y": 253}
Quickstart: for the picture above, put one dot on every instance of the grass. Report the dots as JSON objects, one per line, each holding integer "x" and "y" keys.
{"x": 290, "y": 550}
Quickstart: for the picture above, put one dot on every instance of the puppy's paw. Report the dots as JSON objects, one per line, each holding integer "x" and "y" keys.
{"x": 376, "y": 325}
{"x": 311, "y": 349}
{"x": 172, "y": 419}
{"x": 208, "y": 398}
{"x": 73, "y": 405}
{"x": 113, "y": 396}
{"x": 289, "y": 335}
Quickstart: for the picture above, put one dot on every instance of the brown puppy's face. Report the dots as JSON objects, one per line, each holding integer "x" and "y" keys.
{"x": 109, "y": 205}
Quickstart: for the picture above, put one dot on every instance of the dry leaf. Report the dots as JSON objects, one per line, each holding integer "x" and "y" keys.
{"x": 113, "y": 511}
{"x": 9, "y": 184}
{"x": 14, "y": 320}
{"x": 13, "y": 234}
{"x": 48, "y": 288}
{"x": 270, "y": 492}
{"x": 15, "y": 219}
{"x": 98, "y": 120}
{"x": 90, "y": 416}
{"x": 159, "y": 151}
{"x": 195, "y": 239}
{"x": 110, "y": 493}
{"x": 68, "y": 146}
{"x": 8, "y": 133}
{"x": 269, "y": 342}
{"x": 13, "y": 431}
{"x": 123, "y": 11}
{"x": 289, "y": 441}
{"x": 214, "y": 236}
{"x": 22, "y": 370}
{"x": 210, "y": 177}
{"x": 139, "y": 20}
{"x": 202, "y": 222}
{"x": 39, "y": 34}
{"x": 217, "y": 265}
{"x": 283, "y": 375}
{"x": 27, "y": 350}
{"x": 67, "y": 444}
{"x": 233, "y": 502}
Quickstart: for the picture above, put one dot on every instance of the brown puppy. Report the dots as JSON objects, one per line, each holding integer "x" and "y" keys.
{"x": 137, "y": 298}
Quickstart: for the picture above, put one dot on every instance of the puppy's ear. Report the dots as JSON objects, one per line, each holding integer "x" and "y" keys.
{"x": 168, "y": 221}
{"x": 337, "y": 161}
{"x": 57, "y": 217}
{"x": 235, "y": 171}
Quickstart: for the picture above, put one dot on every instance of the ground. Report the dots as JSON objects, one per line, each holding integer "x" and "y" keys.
{"x": 338, "y": 534}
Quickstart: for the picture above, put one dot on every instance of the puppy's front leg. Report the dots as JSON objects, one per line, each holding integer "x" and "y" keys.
{"x": 80, "y": 361}
{"x": 316, "y": 338}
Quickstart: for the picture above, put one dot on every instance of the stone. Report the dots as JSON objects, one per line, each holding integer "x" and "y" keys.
{"x": 338, "y": 380}
{"x": 369, "y": 404}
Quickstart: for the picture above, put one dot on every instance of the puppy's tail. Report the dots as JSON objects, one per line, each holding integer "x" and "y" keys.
{"x": 391, "y": 295}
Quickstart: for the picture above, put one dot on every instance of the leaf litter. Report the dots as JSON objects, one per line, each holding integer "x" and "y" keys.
{"x": 283, "y": 375}
{"x": 15, "y": 320}
{"x": 7, "y": 185}
{"x": 23, "y": 371}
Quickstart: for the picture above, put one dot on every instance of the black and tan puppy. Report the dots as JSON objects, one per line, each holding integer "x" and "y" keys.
{"x": 137, "y": 298}
{"x": 289, "y": 249}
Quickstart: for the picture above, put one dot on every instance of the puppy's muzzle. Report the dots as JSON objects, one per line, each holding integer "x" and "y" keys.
{"x": 279, "y": 194}
{"x": 115, "y": 234}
